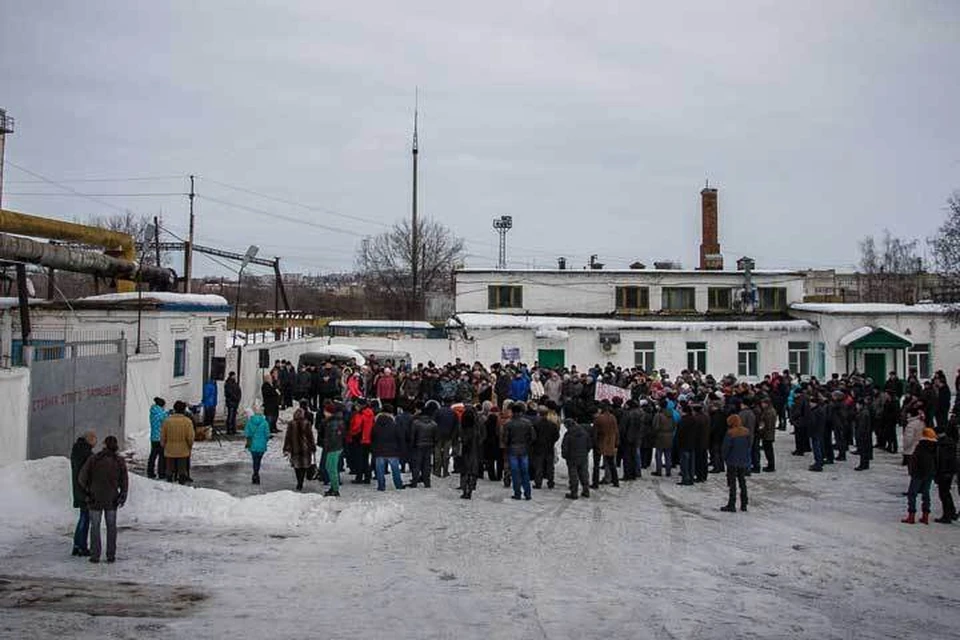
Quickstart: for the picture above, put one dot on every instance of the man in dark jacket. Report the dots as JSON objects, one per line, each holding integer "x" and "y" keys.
{"x": 864, "y": 434}
{"x": 231, "y": 396}
{"x": 82, "y": 450}
{"x": 800, "y": 417}
{"x": 388, "y": 445}
{"x": 946, "y": 469}
{"x": 447, "y": 425}
{"x": 686, "y": 443}
{"x": 520, "y": 434}
{"x": 423, "y": 439}
{"x": 816, "y": 426}
{"x": 633, "y": 432}
{"x": 736, "y": 456}
{"x": 103, "y": 478}
{"x": 574, "y": 449}
{"x": 700, "y": 465}
{"x": 542, "y": 450}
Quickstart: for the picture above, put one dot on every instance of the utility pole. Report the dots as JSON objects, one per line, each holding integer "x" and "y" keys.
{"x": 6, "y": 126}
{"x": 156, "y": 237}
{"x": 415, "y": 231}
{"x": 188, "y": 250}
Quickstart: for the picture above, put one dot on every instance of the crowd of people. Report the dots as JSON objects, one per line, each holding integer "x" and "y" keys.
{"x": 503, "y": 423}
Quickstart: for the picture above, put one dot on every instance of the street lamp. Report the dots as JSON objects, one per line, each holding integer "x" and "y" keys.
{"x": 149, "y": 233}
{"x": 250, "y": 255}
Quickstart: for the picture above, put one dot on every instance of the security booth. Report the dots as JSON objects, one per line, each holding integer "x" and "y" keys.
{"x": 875, "y": 351}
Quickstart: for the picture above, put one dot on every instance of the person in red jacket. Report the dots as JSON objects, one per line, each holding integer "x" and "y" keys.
{"x": 386, "y": 386}
{"x": 361, "y": 433}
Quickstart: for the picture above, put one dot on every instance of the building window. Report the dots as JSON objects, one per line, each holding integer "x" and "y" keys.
{"x": 918, "y": 359}
{"x": 504, "y": 297}
{"x": 798, "y": 358}
{"x": 697, "y": 356}
{"x": 644, "y": 356}
{"x": 773, "y": 298}
{"x": 179, "y": 358}
{"x": 678, "y": 299}
{"x": 718, "y": 299}
{"x": 633, "y": 298}
{"x": 748, "y": 358}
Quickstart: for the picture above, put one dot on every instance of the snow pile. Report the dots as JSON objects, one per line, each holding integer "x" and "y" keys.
{"x": 35, "y": 498}
{"x": 508, "y": 321}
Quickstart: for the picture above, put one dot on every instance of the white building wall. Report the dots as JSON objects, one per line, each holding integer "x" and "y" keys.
{"x": 593, "y": 292}
{"x": 15, "y": 400}
{"x": 921, "y": 328}
{"x": 145, "y": 375}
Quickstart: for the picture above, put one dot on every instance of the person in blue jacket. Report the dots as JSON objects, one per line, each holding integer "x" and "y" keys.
{"x": 158, "y": 414}
{"x": 257, "y": 432}
{"x": 209, "y": 402}
{"x": 736, "y": 454}
{"x": 520, "y": 388}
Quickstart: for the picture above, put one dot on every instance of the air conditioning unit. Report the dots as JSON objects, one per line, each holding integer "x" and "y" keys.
{"x": 609, "y": 341}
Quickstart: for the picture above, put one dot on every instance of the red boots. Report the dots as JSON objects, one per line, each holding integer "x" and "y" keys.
{"x": 911, "y": 518}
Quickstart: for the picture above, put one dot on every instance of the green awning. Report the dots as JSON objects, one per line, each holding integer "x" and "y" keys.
{"x": 875, "y": 338}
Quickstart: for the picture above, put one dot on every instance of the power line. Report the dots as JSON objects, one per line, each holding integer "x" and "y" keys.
{"x": 95, "y": 195}
{"x": 66, "y": 188}
{"x": 280, "y": 216}
{"x": 293, "y": 203}
{"x": 81, "y": 180}
{"x": 209, "y": 257}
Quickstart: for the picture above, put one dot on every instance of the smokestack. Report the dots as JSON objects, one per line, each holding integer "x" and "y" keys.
{"x": 710, "y": 257}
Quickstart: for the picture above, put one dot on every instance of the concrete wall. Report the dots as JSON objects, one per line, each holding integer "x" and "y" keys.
{"x": 593, "y": 292}
{"x": 15, "y": 401}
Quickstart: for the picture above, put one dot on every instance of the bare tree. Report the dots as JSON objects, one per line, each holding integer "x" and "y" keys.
{"x": 385, "y": 264}
{"x": 889, "y": 269}
{"x": 135, "y": 225}
{"x": 945, "y": 246}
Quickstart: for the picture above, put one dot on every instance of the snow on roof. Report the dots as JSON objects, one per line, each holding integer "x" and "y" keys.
{"x": 166, "y": 299}
{"x": 504, "y": 321}
{"x": 381, "y": 324}
{"x": 862, "y": 332}
{"x": 705, "y": 272}
{"x": 855, "y": 335}
{"x": 10, "y": 303}
{"x": 869, "y": 307}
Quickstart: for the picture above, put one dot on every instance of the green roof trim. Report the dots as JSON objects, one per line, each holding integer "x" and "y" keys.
{"x": 880, "y": 338}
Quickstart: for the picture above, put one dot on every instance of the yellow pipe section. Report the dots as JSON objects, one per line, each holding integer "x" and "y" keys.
{"x": 27, "y": 225}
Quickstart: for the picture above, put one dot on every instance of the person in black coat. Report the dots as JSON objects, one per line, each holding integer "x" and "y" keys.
{"x": 423, "y": 440}
{"x": 946, "y": 469}
{"x": 632, "y": 433}
{"x": 470, "y": 444}
{"x": 574, "y": 448}
{"x": 543, "y": 449}
{"x": 387, "y": 442}
{"x": 271, "y": 402}
{"x": 492, "y": 454}
{"x": 81, "y": 452}
{"x": 816, "y": 424}
{"x": 864, "y": 434}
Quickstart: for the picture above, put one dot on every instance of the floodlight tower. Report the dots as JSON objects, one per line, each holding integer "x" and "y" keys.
{"x": 6, "y": 126}
{"x": 502, "y": 225}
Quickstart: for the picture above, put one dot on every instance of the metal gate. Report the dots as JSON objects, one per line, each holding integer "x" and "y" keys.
{"x": 84, "y": 390}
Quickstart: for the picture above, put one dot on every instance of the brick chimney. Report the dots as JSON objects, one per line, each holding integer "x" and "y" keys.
{"x": 710, "y": 257}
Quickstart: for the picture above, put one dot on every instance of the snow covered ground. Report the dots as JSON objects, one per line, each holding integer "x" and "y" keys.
{"x": 817, "y": 556}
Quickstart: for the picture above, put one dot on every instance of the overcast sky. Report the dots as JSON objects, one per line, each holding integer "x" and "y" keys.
{"x": 594, "y": 124}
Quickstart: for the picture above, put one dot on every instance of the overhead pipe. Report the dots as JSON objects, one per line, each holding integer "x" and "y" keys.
{"x": 16, "y": 249}
{"x": 114, "y": 241}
